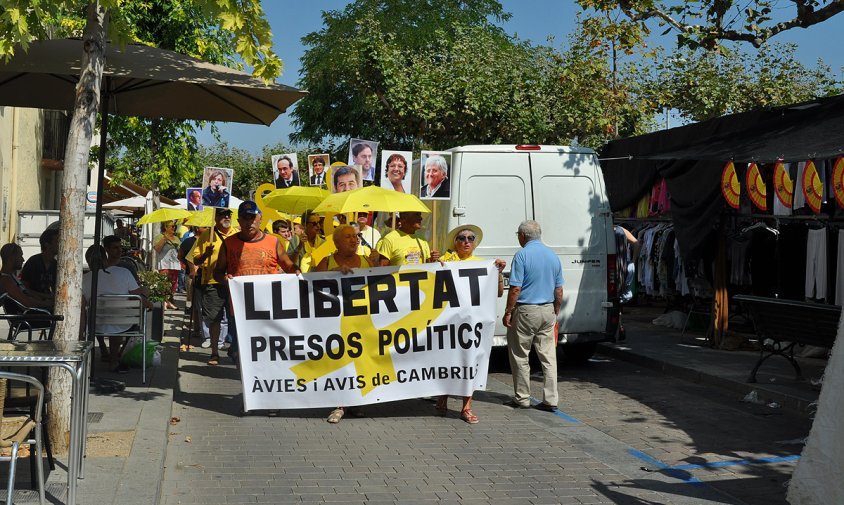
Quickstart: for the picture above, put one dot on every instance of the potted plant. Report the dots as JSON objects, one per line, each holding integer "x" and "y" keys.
{"x": 158, "y": 285}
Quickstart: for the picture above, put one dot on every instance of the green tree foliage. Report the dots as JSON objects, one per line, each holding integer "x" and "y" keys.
{"x": 707, "y": 23}
{"x": 450, "y": 77}
{"x": 702, "y": 85}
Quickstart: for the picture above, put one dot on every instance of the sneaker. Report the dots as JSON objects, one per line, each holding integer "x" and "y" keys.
{"x": 206, "y": 343}
{"x": 224, "y": 346}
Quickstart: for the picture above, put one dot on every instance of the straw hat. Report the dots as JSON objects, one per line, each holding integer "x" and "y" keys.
{"x": 479, "y": 235}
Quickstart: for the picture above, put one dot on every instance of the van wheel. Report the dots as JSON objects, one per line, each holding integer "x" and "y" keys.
{"x": 578, "y": 354}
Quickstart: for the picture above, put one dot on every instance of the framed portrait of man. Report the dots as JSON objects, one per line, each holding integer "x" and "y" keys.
{"x": 285, "y": 170}
{"x": 434, "y": 168}
{"x": 193, "y": 196}
{"x": 345, "y": 178}
{"x": 364, "y": 153}
{"x": 216, "y": 185}
{"x": 318, "y": 169}
{"x": 396, "y": 167}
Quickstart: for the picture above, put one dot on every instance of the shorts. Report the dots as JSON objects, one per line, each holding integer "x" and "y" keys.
{"x": 214, "y": 299}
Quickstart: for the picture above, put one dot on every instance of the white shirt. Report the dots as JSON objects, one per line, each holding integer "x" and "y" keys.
{"x": 111, "y": 281}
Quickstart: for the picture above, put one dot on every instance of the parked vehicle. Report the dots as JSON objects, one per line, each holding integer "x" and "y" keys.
{"x": 497, "y": 187}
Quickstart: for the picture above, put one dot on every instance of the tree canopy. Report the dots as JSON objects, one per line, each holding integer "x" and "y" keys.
{"x": 452, "y": 78}
{"x": 706, "y": 23}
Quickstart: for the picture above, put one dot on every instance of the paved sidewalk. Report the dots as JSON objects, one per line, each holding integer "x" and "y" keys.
{"x": 687, "y": 357}
{"x": 399, "y": 453}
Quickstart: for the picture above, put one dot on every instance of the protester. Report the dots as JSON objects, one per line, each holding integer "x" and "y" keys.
{"x": 465, "y": 238}
{"x": 533, "y": 304}
{"x": 345, "y": 259}
{"x": 313, "y": 238}
{"x": 110, "y": 281}
{"x": 166, "y": 245}
{"x": 12, "y": 257}
{"x": 369, "y": 236}
{"x": 249, "y": 252}
{"x": 39, "y": 271}
{"x": 402, "y": 247}
{"x": 213, "y": 295}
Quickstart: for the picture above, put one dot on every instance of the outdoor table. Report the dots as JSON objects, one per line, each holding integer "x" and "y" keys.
{"x": 73, "y": 357}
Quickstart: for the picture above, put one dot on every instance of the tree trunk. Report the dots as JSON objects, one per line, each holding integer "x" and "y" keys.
{"x": 69, "y": 282}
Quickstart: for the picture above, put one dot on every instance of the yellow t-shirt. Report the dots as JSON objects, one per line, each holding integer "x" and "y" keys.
{"x": 452, "y": 256}
{"x": 403, "y": 249}
{"x": 202, "y": 243}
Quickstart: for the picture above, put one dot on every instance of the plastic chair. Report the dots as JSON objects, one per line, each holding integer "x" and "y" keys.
{"x": 18, "y": 430}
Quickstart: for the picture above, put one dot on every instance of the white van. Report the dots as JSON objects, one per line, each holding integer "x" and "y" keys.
{"x": 496, "y": 187}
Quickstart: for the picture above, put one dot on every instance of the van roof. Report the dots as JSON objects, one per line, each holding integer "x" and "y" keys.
{"x": 513, "y": 148}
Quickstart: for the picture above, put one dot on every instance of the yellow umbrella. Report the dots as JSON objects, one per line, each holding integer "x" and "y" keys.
{"x": 205, "y": 217}
{"x": 166, "y": 214}
{"x": 370, "y": 199}
{"x": 295, "y": 200}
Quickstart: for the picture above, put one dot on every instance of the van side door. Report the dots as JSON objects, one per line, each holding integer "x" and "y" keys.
{"x": 570, "y": 206}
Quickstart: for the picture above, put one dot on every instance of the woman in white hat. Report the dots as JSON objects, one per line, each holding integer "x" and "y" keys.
{"x": 464, "y": 239}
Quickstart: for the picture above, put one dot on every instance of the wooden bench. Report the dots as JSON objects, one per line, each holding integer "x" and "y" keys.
{"x": 788, "y": 323}
{"x": 123, "y": 310}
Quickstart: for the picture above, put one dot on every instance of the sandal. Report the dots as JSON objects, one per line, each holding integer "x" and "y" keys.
{"x": 442, "y": 405}
{"x": 335, "y": 415}
{"x": 469, "y": 416}
{"x": 214, "y": 361}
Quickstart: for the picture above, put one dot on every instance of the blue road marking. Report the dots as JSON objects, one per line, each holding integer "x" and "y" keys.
{"x": 738, "y": 462}
{"x": 664, "y": 468}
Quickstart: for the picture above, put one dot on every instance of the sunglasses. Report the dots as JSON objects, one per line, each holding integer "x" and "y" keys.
{"x": 224, "y": 214}
{"x": 465, "y": 238}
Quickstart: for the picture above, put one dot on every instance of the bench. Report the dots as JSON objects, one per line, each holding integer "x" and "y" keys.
{"x": 788, "y": 323}
{"x": 123, "y": 310}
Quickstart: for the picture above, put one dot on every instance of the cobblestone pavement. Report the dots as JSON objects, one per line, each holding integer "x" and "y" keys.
{"x": 625, "y": 436}
{"x": 699, "y": 432}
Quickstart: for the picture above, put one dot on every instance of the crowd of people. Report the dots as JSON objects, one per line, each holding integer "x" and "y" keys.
{"x": 200, "y": 261}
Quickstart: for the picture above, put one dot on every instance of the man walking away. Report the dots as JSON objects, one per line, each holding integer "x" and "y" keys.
{"x": 533, "y": 304}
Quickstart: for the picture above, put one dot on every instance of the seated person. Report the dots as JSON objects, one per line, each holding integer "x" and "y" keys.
{"x": 114, "y": 256}
{"x": 11, "y": 286}
{"x": 110, "y": 281}
{"x": 39, "y": 271}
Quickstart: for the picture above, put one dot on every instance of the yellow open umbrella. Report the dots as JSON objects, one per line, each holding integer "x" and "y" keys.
{"x": 296, "y": 199}
{"x": 205, "y": 217}
{"x": 371, "y": 199}
{"x": 166, "y": 214}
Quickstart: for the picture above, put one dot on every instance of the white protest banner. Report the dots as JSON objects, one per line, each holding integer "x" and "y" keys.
{"x": 376, "y": 335}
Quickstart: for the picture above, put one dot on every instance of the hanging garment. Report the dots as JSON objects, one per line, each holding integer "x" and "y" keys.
{"x": 816, "y": 264}
{"x": 763, "y": 262}
{"x": 799, "y": 198}
{"x": 792, "y": 261}
{"x": 783, "y": 190}
{"x": 839, "y": 270}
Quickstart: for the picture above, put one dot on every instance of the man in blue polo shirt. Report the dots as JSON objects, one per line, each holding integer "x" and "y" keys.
{"x": 533, "y": 303}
